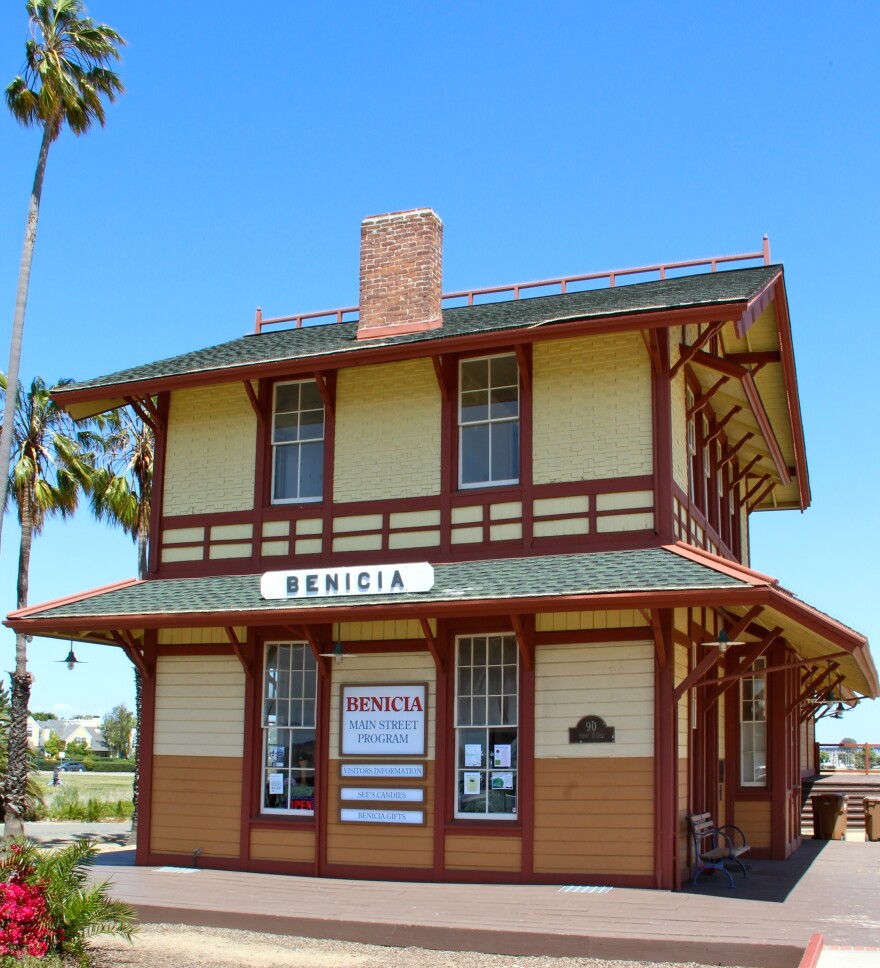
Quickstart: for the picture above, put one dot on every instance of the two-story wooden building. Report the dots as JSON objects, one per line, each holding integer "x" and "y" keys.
{"x": 458, "y": 588}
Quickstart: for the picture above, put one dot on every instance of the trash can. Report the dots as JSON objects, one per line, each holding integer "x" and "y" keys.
{"x": 872, "y": 819}
{"x": 829, "y": 816}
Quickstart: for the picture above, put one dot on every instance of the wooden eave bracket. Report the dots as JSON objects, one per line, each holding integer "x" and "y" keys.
{"x": 735, "y": 449}
{"x": 524, "y": 363}
{"x": 326, "y": 393}
{"x": 255, "y": 403}
{"x": 652, "y": 345}
{"x": 146, "y": 410}
{"x": 687, "y": 353}
{"x": 314, "y": 643}
{"x": 697, "y": 673}
{"x": 433, "y": 647}
{"x": 524, "y": 628}
{"x": 744, "y": 663}
{"x": 652, "y": 617}
{"x": 718, "y": 429}
{"x": 127, "y": 642}
{"x": 704, "y": 398}
{"x": 755, "y": 306}
{"x": 443, "y": 378}
{"x": 239, "y": 650}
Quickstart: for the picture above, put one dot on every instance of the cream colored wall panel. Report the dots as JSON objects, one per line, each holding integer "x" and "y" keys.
{"x": 624, "y": 522}
{"x": 182, "y": 554}
{"x": 182, "y": 729}
{"x": 505, "y": 532}
{"x": 378, "y": 631}
{"x": 414, "y": 519}
{"x": 466, "y": 535}
{"x": 387, "y": 419}
{"x": 276, "y": 529}
{"x": 679, "y": 672}
{"x": 211, "y": 449}
{"x": 548, "y": 506}
{"x": 357, "y": 522}
{"x": 414, "y": 539}
{"x": 182, "y": 535}
{"x": 505, "y": 510}
{"x": 591, "y": 408}
{"x": 272, "y": 548}
{"x": 552, "y": 529}
{"x": 363, "y": 542}
{"x": 230, "y": 551}
{"x": 611, "y": 680}
{"x": 309, "y": 526}
{"x": 468, "y": 515}
{"x": 624, "y": 500}
{"x": 196, "y": 636}
{"x": 229, "y": 532}
{"x": 571, "y": 621}
{"x": 309, "y": 546}
{"x": 386, "y": 667}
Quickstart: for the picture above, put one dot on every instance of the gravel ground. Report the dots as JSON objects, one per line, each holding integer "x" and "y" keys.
{"x": 176, "y": 946}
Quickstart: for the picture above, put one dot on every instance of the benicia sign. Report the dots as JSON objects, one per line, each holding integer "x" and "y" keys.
{"x": 415, "y": 576}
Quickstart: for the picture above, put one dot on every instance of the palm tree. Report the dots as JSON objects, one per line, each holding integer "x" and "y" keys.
{"x": 121, "y": 494}
{"x": 52, "y": 464}
{"x": 64, "y": 79}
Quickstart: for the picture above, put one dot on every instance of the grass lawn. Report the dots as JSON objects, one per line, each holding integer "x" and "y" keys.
{"x": 102, "y": 786}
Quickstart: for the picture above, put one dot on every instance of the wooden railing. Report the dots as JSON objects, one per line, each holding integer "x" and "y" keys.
{"x": 517, "y": 289}
{"x": 851, "y": 757}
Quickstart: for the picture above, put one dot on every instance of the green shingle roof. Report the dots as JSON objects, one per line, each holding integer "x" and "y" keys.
{"x": 703, "y": 289}
{"x": 649, "y": 570}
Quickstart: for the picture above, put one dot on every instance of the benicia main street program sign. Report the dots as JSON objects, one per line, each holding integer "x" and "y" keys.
{"x": 383, "y": 719}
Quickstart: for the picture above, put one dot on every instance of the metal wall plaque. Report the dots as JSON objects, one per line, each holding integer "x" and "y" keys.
{"x": 591, "y": 729}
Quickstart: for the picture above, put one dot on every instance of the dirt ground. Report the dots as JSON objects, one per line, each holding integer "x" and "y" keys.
{"x": 176, "y": 946}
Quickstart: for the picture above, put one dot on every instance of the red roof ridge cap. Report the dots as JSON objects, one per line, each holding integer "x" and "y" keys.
{"x": 732, "y": 568}
{"x": 79, "y": 597}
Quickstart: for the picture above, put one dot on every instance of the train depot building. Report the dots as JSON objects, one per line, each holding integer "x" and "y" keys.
{"x": 457, "y": 588}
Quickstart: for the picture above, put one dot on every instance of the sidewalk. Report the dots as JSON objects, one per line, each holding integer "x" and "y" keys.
{"x": 767, "y": 920}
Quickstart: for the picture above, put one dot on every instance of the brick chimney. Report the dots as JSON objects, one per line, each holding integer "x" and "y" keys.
{"x": 401, "y": 273}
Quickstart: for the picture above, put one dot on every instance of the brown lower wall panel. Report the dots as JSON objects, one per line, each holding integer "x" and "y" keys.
{"x": 753, "y": 816}
{"x": 196, "y": 804}
{"x": 381, "y": 845}
{"x": 475, "y": 853}
{"x": 283, "y": 845}
{"x": 594, "y": 815}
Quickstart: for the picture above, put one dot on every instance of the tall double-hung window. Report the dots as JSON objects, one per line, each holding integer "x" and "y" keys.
{"x": 486, "y": 727}
{"x": 488, "y": 421}
{"x": 753, "y": 726}
{"x": 297, "y": 442}
{"x": 290, "y": 688}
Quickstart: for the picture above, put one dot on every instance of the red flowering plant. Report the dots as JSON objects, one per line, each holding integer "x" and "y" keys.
{"x": 47, "y": 905}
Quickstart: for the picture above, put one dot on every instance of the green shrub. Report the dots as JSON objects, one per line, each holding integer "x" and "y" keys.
{"x": 109, "y": 766}
{"x": 69, "y": 805}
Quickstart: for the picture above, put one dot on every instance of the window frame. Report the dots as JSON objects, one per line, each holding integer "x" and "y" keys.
{"x": 266, "y": 728}
{"x": 748, "y": 726}
{"x": 508, "y": 640}
{"x": 489, "y": 421}
{"x": 275, "y": 446}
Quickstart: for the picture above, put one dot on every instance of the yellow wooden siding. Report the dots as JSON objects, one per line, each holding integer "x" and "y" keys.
{"x": 387, "y": 432}
{"x": 209, "y": 463}
{"x": 295, "y": 845}
{"x": 574, "y": 621}
{"x": 199, "y": 707}
{"x": 381, "y": 845}
{"x": 196, "y": 804}
{"x": 594, "y": 816}
{"x": 612, "y": 680}
{"x": 378, "y": 631}
{"x": 680, "y": 671}
{"x": 211, "y": 636}
{"x": 382, "y": 668}
{"x": 476, "y": 853}
{"x": 754, "y": 818}
{"x": 591, "y": 409}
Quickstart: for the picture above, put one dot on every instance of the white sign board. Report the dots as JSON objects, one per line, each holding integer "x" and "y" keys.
{"x": 384, "y": 796}
{"x": 382, "y": 719}
{"x": 373, "y": 815}
{"x": 414, "y": 576}
{"x": 396, "y": 770}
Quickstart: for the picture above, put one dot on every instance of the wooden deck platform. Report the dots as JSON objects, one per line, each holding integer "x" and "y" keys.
{"x": 767, "y": 920}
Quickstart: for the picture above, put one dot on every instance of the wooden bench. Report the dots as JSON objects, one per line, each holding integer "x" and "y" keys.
{"x": 713, "y": 846}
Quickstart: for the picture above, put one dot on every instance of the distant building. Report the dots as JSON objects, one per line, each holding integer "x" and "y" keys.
{"x": 67, "y": 730}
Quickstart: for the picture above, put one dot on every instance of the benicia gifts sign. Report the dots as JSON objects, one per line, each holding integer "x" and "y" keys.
{"x": 383, "y": 719}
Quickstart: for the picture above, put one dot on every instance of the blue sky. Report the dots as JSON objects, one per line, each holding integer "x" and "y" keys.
{"x": 552, "y": 138}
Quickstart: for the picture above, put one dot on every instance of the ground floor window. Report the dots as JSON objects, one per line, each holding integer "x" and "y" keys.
{"x": 486, "y": 719}
{"x": 290, "y": 684}
{"x": 753, "y": 726}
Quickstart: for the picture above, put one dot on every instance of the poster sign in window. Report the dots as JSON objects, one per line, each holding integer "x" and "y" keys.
{"x": 383, "y": 719}
{"x": 502, "y": 781}
{"x": 473, "y": 754}
{"x": 501, "y": 755}
{"x": 276, "y": 783}
{"x": 471, "y": 783}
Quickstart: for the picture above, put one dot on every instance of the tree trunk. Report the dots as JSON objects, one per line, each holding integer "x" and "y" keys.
{"x": 16, "y": 780}
{"x": 21, "y": 295}
{"x": 142, "y": 541}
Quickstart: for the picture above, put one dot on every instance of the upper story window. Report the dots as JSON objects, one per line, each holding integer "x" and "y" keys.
{"x": 486, "y": 718}
{"x": 297, "y": 442}
{"x": 290, "y": 686}
{"x": 488, "y": 421}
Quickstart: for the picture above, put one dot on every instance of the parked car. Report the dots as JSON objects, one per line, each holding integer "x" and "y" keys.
{"x": 71, "y": 766}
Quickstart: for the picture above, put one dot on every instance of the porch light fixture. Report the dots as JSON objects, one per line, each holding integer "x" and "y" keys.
{"x": 723, "y": 642}
{"x": 70, "y": 660}
{"x": 338, "y": 654}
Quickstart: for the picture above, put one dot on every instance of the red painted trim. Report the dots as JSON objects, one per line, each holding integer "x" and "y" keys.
{"x": 813, "y": 952}
{"x": 79, "y": 597}
{"x": 735, "y": 570}
{"x": 146, "y": 739}
{"x": 777, "y": 773}
{"x": 526, "y": 756}
{"x": 160, "y": 449}
{"x": 251, "y": 765}
{"x": 666, "y": 860}
{"x": 789, "y": 372}
{"x": 444, "y": 788}
{"x": 322, "y": 754}
{"x": 661, "y": 426}
{"x": 403, "y": 329}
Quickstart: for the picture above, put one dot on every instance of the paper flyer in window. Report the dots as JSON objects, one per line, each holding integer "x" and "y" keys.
{"x": 275, "y": 756}
{"x": 502, "y": 781}
{"x": 473, "y": 754}
{"x": 501, "y": 756}
{"x": 276, "y": 783}
{"x": 472, "y": 783}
